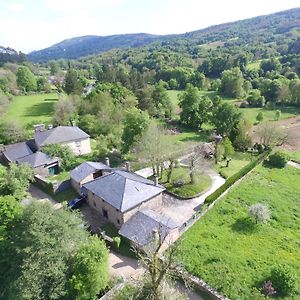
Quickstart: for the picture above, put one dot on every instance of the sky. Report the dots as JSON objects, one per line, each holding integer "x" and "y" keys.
{"x": 27, "y": 25}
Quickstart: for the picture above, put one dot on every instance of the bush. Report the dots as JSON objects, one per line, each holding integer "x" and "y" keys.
{"x": 231, "y": 180}
{"x": 268, "y": 289}
{"x": 279, "y": 159}
{"x": 284, "y": 280}
{"x": 260, "y": 213}
{"x": 178, "y": 183}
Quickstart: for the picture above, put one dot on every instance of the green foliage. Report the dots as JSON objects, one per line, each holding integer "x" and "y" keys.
{"x": 63, "y": 152}
{"x": 228, "y": 148}
{"x": 72, "y": 83}
{"x": 26, "y": 79}
{"x": 279, "y": 159}
{"x": 38, "y": 248}
{"x": 135, "y": 122}
{"x": 260, "y": 117}
{"x": 228, "y": 251}
{"x": 225, "y": 117}
{"x": 260, "y": 213}
{"x": 255, "y": 99}
{"x": 90, "y": 270}
{"x": 11, "y": 132}
{"x": 65, "y": 110}
{"x": 15, "y": 180}
{"x": 196, "y": 110}
{"x": 277, "y": 115}
{"x": 232, "y": 82}
{"x": 284, "y": 280}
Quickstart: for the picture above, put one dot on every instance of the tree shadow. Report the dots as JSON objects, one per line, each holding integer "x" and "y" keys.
{"x": 244, "y": 226}
{"x": 41, "y": 109}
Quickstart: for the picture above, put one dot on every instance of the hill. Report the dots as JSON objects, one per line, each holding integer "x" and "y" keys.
{"x": 10, "y": 55}
{"x": 258, "y": 30}
{"x": 91, "y": 44}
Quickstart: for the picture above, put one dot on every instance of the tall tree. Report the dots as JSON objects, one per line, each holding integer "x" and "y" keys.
{"x": 232, "y": 83}
{"x": 72, "y": 83}
{"x": 26, "y": 80}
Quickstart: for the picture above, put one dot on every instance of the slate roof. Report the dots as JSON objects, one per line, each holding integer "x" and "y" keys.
{"x": 37, "y": 159}
{"x": 15, "y": 151}
{"x": 123, "y": 190}
{"x": 60, "y": 134}
{"x": 141, "y": 226}
{"x": 85, "y": 169}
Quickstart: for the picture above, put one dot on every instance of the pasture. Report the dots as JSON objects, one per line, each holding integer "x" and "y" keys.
{"x": 232, "y": 253}
{"x": 32, "y": 108}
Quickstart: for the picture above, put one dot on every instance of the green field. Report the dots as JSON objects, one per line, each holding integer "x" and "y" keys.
{"x": 269, "y": 114}
{"x": 27, "y": 109}
{"x": 228, "y": 250}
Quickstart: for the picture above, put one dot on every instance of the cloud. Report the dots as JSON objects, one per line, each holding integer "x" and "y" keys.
{"x": 66, "y": 6}
{"x": 15, "y": 7}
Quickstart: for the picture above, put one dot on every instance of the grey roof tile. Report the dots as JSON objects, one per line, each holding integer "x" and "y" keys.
{"x": 60, "y": 134}
{"x": 15, "y": 151}
{"x": 85, "y": 169}
{"x": 141, "y": 226}
{"x": 37, "y": 159}
{"x": 124, "y": 190}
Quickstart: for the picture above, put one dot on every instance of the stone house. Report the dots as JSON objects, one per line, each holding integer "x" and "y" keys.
{"x": 86, "y": 172}
{"x": 72, "y": 136}
{"x": 120, "y": 194}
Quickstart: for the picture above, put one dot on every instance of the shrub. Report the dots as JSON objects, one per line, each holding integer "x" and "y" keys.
{"x": 260, "y": 213}
{"x": 278, "y": 159}
{"x": 178, "y": 183}
{"x": 117, "y": 242}
{"x": 284, "y": 280}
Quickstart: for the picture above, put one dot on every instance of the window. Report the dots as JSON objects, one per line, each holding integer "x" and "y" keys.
{"x": 104, "y": 212}
{"x": 78, "y": 144}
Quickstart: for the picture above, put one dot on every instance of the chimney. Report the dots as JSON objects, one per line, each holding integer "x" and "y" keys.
{"x": 155, "y": 235}
{"x": 39, "y": 127}
{"x": 127, "y": 164}
{"x": 50, "y": 126}
{"x": 155, "y": 180}
{"x": 107, "y": 161}
{"x": 73, "y": 122}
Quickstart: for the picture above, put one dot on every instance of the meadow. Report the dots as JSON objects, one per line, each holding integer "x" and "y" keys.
{"x": 232, "y": 253}
{"x": 31, "y": 108}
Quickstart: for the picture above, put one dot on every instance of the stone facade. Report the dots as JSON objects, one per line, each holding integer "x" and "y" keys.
{"x": 115, "y": 216}
{"x": 80, "y": 147}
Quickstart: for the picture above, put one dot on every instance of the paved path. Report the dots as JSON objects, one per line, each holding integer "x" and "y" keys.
{"x": 38, "y": 194}
{"x": 294, "y": 164}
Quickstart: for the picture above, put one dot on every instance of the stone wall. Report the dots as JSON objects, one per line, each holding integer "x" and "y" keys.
{"x": 80, "y": 147}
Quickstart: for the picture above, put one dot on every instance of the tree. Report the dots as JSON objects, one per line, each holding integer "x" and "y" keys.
{"x": 89, "y": 269}
{"x": 135, "y": 122}
{"x": 232, "y": 83}
{"x": 16, "y": 180}
{"x": 260, "y": 213}
{"x": 43, "y": 85}
{"x": 271, "y": 135}
{"x": 72, "y": 83}
{"x": 63, "y": 152}
{"x": 260, "y": 117}
{"x": 162, "y": 100}
{"x": 54, "y": 67}
{"x": 11, "y": 132}
{"x": 65, "y": 110}
{"x": 228, "y": 148}
{"x": 26, "y": 80}
{"x": 279, "y": 159}
{"x": 225, "y": 117}
{"x": 255, "y": 99}
{"x": 284, "y": 280}
{"x": 277, "y": 115}
{"x": 39, "y": 249}
{"x": 196, "y": 110}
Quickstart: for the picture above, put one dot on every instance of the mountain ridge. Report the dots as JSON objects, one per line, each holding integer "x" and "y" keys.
{"x": 77, "y": 47}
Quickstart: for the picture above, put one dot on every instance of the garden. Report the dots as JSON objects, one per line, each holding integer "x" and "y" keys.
{"x": 240, "y": 258}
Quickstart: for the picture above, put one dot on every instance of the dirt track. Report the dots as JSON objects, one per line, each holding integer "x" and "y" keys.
{"x": 293, "y": 127}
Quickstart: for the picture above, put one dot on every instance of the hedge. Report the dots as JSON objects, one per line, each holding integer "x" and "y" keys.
{"x": 235, "y": 177}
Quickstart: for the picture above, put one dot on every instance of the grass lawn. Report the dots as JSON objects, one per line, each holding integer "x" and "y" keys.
{"x": 203, "y": 182}
{"x": 27, "y": 109}
{"x": 286, "y": 112}
{"x": 238, "y": 161}
{"x": 228, "y": 250}
{"x": 65, "y": 175}
{"x": 295, "y": 155}
{"x": 65, "y": 195}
